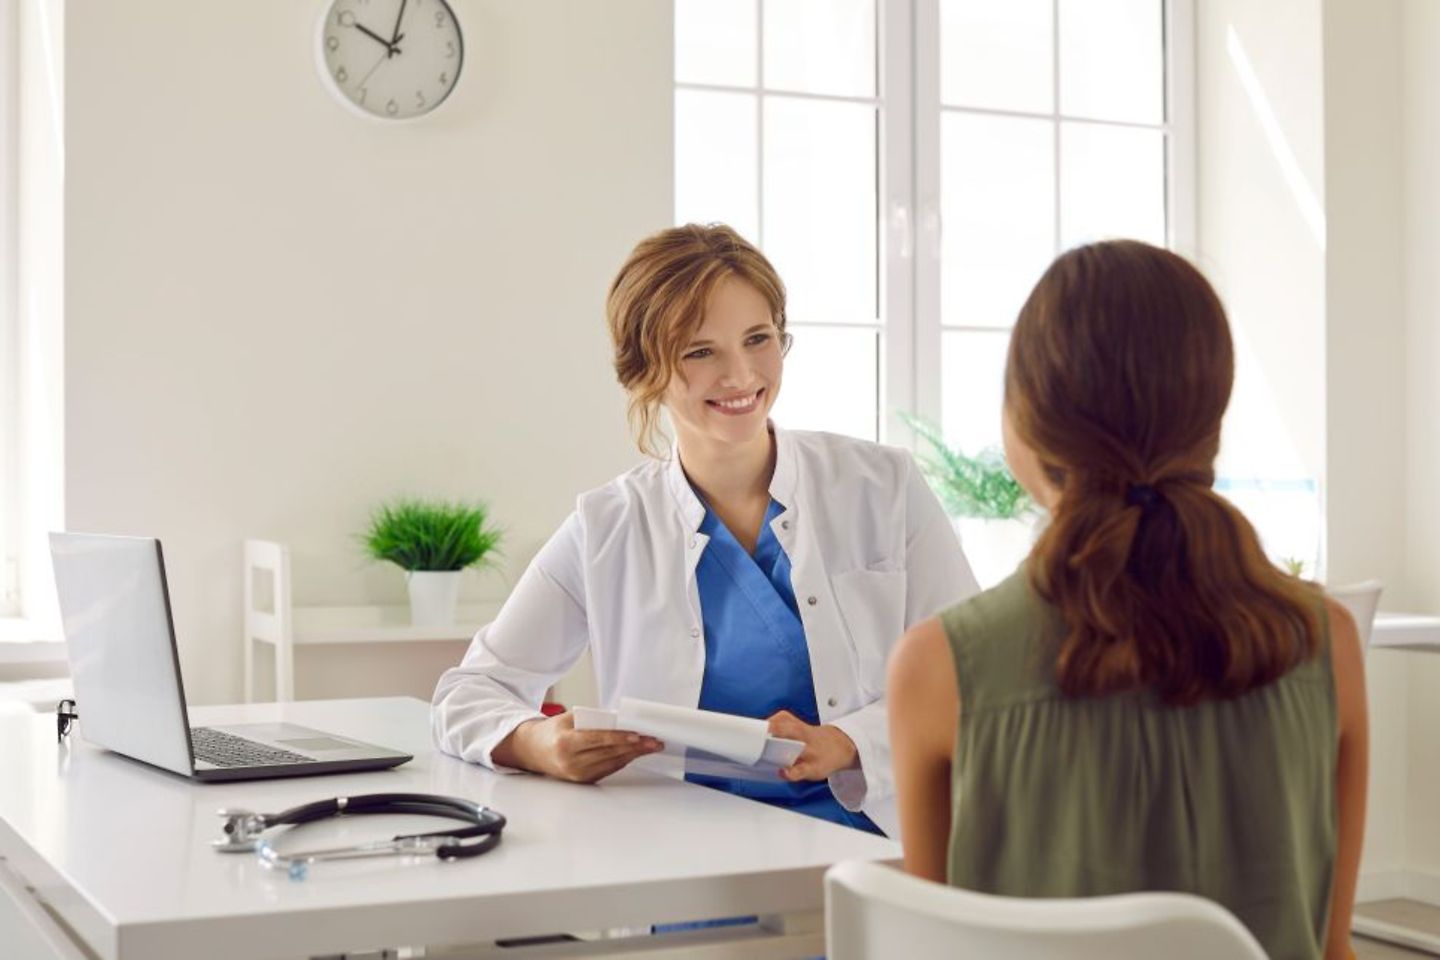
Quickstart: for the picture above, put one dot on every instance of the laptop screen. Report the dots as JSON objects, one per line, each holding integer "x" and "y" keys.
{"x": 115, "y": 608}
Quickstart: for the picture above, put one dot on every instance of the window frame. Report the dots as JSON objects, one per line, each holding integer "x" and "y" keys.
{"x": 908, "y": 220}
{"x": 1178, "y": 23}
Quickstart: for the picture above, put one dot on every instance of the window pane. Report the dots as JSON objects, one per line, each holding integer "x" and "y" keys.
{"x": 997, "y": 201}
{"x": 715, "y": 42}
{"x": 1112, "y": 183}
{"x": 1112, "y": 60}
{"x": 715, "y": 160}
{"x": 1284, "y": 512}
{"x": 819, "y": 202}
{"x": 831, "y": 381}
{"x": 820, "y": 46}
{"x": 972, "y": 387}
{"x": 996, "y": 55}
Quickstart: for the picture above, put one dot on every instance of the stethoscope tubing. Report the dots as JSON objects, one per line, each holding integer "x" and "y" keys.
{"x": 244, "y": 829}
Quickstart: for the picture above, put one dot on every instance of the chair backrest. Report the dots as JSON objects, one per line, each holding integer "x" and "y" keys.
{"x": 268, "y": 615}
{"x": 1362, "y": 600}
{"x": 874, "y": 912}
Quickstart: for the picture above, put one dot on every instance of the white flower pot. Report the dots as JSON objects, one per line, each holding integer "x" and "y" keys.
{"x": 433, "y": 596}
{"x": 994, "y": 547}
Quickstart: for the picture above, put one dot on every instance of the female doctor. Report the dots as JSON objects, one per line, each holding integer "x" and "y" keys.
{"x": 754, "y": 571}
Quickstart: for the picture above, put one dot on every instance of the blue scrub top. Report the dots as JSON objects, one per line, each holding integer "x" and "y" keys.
{"x": 756, "y": 658}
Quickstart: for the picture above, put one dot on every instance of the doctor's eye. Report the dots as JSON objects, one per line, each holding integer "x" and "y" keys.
{"x": 699, "y": 354}
{"x": 757, "y": 339}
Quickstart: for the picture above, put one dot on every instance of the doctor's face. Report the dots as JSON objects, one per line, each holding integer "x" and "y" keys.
{"x": 729, "y": 372}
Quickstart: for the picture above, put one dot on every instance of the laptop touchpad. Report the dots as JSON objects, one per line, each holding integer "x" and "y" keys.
{"x": 316, "y": 744}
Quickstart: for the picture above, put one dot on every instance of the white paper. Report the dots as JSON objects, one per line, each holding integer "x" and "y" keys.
{"x": 696, "y": 734}
{"x": 737, "y": 739}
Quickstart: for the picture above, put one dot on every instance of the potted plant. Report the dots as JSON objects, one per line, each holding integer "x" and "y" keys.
{"x": 433, "y": 542}
{"x": 992, "y": 513}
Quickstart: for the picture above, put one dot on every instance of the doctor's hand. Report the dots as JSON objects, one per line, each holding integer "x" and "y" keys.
{"x": 555, "y": 748}
{"x": 827, "y": 748}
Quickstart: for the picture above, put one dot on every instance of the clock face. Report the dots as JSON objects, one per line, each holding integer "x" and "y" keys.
{"x": 393, "y": 59}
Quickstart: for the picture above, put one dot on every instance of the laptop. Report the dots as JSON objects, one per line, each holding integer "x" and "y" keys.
{"x": 120, "y": 636}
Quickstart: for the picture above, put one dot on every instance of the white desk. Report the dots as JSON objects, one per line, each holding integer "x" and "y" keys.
{"x": 1406, "y": 631}
{"x": 119, "y": 851}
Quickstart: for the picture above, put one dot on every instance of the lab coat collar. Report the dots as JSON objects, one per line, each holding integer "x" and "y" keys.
{"x": 782, "y": 482}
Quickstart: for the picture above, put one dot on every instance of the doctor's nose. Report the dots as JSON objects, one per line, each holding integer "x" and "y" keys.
{"x": 736, "y": 372}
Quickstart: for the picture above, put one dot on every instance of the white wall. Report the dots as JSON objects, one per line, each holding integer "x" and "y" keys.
{"x": 1260, "y": 163}
{"x": 1420, "y": 32}
{"x": 279, "y": 314}
{"x": 1365, "y": 393}
{"x": 1335, "y": 124}
{"x": 1382, "y": 149}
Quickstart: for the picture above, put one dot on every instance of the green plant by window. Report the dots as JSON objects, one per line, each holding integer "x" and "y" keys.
{"x": 979, "y": 486}
{"x": 429, "y": 535}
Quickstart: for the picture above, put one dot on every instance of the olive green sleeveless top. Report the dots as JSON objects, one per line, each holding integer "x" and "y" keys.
{"x": 1055, "y": 796}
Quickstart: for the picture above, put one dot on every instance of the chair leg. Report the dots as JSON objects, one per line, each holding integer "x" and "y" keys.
{"x": 249, "y": 668}
{"x": 284, "y": 672}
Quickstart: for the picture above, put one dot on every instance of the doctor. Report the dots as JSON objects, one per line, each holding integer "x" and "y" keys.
{"x": 753, "y": 571}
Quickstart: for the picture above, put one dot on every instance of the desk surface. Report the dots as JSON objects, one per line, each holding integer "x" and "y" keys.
{"x": 121, "y": 851}
{"x": 1406, "y": 631}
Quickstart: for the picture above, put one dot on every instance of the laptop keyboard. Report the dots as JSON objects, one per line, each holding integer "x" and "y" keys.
{"x": 228, "y": 750}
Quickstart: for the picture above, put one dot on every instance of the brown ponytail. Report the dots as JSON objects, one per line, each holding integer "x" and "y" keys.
{"x": 1119, "y": 371}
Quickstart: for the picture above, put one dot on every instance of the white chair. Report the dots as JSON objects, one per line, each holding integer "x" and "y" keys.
{"x": 874, "y": 912}
{"x": 268, "y": 615}
{"x": 1362, "y": 600}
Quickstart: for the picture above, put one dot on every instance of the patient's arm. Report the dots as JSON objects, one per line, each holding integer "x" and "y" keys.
{"x": 1352, "y": 773}
{"x": 924, "y": 715}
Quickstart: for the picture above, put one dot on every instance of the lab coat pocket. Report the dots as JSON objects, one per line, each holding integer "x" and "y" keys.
{"x": 872, "y": 604}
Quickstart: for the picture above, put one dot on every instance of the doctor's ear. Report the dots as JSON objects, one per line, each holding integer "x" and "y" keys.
{"x": 786, "y": 342}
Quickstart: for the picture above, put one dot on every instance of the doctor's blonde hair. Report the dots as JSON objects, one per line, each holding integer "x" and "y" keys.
{"x": 657, "y": 303}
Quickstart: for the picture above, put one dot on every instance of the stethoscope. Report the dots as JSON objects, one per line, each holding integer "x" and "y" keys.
{"x": 243, "y": 830}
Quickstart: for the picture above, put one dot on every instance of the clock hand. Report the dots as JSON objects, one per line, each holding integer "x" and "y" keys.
{"x": 374, "y": 36}
{"x": 395, "y": 34}
{"x": 367, "y": 76}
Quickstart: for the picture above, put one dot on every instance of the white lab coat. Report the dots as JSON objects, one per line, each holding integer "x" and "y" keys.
{"x": 871, "y": 554}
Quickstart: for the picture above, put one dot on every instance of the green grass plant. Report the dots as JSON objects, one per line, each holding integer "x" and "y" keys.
{"x": 431, "y": 535}
{"x": 979, "y": 486}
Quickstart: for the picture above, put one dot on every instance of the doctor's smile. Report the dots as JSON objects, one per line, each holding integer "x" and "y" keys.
{"x": 743, "y": 404}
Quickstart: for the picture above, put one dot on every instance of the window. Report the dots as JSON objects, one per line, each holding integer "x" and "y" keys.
{"x": 911, "y": 167}
{"x": 777, "y": 132}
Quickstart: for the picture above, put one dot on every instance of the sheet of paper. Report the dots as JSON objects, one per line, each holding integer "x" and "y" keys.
{"x": 737, "y": 739}
{"x": 677, "y": 727}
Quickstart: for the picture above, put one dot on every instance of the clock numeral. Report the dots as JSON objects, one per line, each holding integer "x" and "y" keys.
{"x": 346, "y": 18}
{"x": 419, "y": 99}
{"x": 444, "y": 78}
{"x": 341, "y": 75}
{"x": 439, "y": 18}
{"x": 449, "y": 49}
{"x": 391, "y": 107}
{"x": 332, "y": 43}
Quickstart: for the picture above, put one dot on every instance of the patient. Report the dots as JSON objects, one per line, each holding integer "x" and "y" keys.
{"x": 1147, "y": 703}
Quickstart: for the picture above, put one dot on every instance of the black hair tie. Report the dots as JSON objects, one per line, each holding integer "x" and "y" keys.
{"x": 1141, "y": 495}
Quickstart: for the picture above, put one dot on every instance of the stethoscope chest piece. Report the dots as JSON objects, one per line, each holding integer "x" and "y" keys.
{"x": 244, "y": 829}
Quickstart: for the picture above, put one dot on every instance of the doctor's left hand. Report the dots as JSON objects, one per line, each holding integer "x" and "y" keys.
{"x": 827, "y": 748}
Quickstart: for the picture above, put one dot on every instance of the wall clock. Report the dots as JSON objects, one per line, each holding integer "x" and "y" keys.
{"x": 392, "y": 59}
